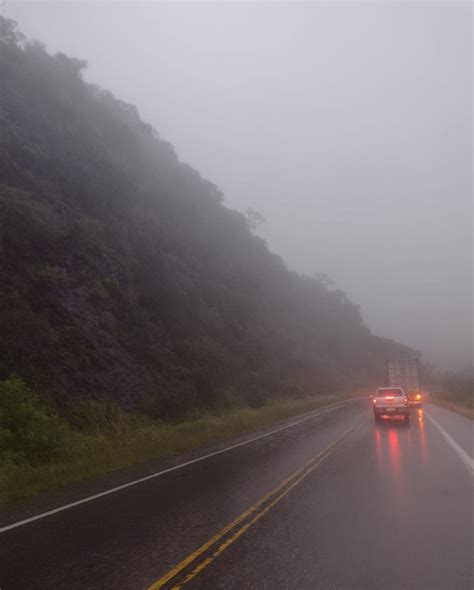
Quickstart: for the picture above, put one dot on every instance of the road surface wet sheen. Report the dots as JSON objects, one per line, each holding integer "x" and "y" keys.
{"x": 388, "y": 508}
{"x": 391, "y": 509}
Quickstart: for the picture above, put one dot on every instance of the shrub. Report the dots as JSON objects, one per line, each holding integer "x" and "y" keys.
{"x": 28, "y": 431}
{"x": 95, "y": 417}
{"x": 458, "y": 387}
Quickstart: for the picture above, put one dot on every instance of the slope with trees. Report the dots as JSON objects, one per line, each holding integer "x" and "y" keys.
{"x": 123, "y": 276}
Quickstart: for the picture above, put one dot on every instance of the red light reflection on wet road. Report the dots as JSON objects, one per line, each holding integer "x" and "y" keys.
{"x": 389, "y": 455}
{"x": 419, "y": 420}
{"x": 396, "y": 447}
{"x": 394, "y": 450}
{"x": 378, "y": 445}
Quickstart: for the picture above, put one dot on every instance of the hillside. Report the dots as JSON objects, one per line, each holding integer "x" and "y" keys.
{"x": 124, "y": 277}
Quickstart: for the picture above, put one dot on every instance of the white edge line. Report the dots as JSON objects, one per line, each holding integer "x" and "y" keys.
{"x": 468, "y": 462}
{"x": 314, "y": 414}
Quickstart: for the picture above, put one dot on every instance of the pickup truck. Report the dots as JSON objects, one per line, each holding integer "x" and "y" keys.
{"x": 390, "y": 402}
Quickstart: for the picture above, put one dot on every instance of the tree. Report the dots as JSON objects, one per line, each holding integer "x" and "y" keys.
{"x": 325, "y": 279}
{"x": 9, "y": 35}
{"x": 253, "y": 218}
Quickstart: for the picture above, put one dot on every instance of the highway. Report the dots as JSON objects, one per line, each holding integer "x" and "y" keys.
{"x": 333, "y": 502}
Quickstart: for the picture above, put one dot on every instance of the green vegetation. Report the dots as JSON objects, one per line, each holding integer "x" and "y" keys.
{"x": 457, "y": 392}
{"x": 48, "y": 452}
{"x": 28, "y": 432}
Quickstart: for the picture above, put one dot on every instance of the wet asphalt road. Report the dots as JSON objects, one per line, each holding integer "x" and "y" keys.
{"x": 387, "y": 507}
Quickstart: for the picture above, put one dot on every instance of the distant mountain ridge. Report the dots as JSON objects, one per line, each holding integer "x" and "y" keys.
{"x": 123, "y": 275}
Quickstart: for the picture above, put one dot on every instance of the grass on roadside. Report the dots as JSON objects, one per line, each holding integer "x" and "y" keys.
{"x": 457, "y": 392}
{"x": 460, "y": 406}
{"x": 131, "y": 440}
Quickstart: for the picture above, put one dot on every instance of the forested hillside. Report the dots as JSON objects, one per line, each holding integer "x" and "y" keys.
{"x": 124, "y": 277}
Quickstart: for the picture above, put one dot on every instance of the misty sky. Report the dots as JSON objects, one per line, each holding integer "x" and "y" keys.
{"x": 347, "y": 125}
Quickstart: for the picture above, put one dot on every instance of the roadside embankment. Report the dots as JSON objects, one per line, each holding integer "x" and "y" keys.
{"x": 460, "y": 406}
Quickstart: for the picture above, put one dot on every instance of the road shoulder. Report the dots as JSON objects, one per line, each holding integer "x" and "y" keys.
{"x": 453, "y": 407}
{"x": 459, "y": 428}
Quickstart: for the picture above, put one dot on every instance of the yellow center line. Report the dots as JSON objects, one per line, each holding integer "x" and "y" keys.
{"x": 245, "y": 527}
{"x": 296, "y": 477}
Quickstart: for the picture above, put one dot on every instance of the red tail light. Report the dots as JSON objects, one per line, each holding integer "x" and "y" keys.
{"x": 374, "y": 401}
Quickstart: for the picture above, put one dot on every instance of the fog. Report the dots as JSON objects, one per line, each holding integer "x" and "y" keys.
{"x": 348, "y": 126}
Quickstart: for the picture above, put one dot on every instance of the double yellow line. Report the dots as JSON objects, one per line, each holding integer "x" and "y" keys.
{"x": 198, "y": 560}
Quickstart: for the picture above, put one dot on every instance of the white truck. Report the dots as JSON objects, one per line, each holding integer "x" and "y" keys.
{"x": 404, "y": 373}
{"x": 390, "y": 402}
